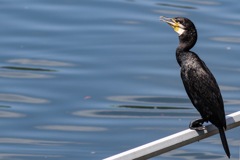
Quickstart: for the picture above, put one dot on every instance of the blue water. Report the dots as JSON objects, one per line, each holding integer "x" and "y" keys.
{"x": 90, "y": 79}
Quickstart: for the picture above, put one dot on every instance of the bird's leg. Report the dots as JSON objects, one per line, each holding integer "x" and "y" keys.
{"x": 197, "y": 124}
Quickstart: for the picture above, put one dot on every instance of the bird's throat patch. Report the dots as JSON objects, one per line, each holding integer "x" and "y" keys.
{"x": 179, "y": 30}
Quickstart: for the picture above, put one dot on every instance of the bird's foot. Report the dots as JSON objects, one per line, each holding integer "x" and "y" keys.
{"x": 197, "y": 125}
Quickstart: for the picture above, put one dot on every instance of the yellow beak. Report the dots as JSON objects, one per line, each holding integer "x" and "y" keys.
{"x": 179, "y": 28}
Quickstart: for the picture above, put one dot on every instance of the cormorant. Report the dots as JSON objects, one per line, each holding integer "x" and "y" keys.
{"x": 199, "y": 82}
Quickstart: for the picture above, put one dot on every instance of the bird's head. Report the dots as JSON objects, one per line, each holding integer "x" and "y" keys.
{"x": 179, "y": 24}
{"x": 185, "y": 28}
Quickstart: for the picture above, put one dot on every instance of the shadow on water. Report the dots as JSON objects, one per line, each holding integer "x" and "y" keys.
{"x": 28, "y": 69}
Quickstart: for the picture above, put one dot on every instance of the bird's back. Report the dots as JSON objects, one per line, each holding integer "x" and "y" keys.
{"x": 202, "y": 89}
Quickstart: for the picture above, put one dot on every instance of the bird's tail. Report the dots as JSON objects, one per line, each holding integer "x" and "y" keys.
{"x": 224, "y": 141}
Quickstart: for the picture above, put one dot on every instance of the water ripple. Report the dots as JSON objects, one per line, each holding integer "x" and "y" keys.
{"x": 207, "y": 3}
{"x": 133, "y": 114}
{"x": 28, "y": 69}
{"x": 169, "y": 12}
{"x": 6, "y": 114}
{"x": 176, "y": 6}
{"x": 227, "y": 39}
{"x": 13, "y": 74}
{"x": 149, "y": 99}
{"x": 11, "y": 155}
{"x": 229, "y": 88}
{"x": 21, "y": 98}
{"x": 40, "y": 62}
{"x": 31, "y": 141}
{"x": 72, "y": 128}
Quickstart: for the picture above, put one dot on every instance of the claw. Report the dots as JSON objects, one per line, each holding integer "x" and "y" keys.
{"x": 197, "y": 125}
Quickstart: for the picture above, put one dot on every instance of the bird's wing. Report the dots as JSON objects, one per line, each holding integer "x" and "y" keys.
{"x": 203, "y": 91}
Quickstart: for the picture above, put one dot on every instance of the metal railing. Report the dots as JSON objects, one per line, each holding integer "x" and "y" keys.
{"x": 174, "y": 141}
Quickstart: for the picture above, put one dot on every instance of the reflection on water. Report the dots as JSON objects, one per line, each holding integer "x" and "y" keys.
{"x": 216, "y": 141}
{"x": 130, "y": 22}
{"x": 39, "y": 62}
{"x": 13, "y": 74}
{"x": 31, "y": 141}
{"x": 227, "y": 39}
{"x": 72, "y": 128}
{"x": 28, "y": 69}
{"x": 148, "y": 99}
{"x": 233, "y": 22}
{"x": 231, "y": 101}
{"x": 198, "y": 155}
{"x": 150, "y": 107}
{"x": 14, "y": 156}
{"x": 21, "y": 98}
{"x": 169, "y": 12}
{"x": 229, "y": 88}
{"x": 175, "y": 6}
{"x": 7, "y": 114}
{"x": 82, "y": 56}
{"x": 134, "y": 114}
{"x": 189, "y": 154}
{"x": 165, "y": 102}
{"x": 204, "y": 2}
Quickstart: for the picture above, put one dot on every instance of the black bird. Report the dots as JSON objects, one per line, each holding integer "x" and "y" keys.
{"x": 199, "y": 82}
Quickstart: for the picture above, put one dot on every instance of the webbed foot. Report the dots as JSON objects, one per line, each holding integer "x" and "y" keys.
{"x": 197, "y": 125}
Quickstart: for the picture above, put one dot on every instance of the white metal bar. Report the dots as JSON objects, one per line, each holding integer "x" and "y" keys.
{"x": 174, "y": 141}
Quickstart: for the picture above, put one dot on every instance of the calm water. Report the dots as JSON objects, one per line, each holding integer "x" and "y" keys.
{"x": 89, "y": 79}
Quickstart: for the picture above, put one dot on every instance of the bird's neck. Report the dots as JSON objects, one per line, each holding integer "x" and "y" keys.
{"x": 180, "y": 54}
{"x": 186, "y": 41}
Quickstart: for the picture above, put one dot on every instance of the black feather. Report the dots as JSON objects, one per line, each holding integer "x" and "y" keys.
{"x": 199, "y": 82}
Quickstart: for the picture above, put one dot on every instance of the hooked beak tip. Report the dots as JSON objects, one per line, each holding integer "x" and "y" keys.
{"x": 165, "y": 19}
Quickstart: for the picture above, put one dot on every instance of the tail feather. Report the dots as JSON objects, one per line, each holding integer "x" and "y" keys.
{"x": 224, "y": 141}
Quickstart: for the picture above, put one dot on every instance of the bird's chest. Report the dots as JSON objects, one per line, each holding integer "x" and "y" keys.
{"x": 191, "y": 70}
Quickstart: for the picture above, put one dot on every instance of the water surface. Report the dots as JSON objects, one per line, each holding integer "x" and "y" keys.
{"x": 90, "y": 79}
